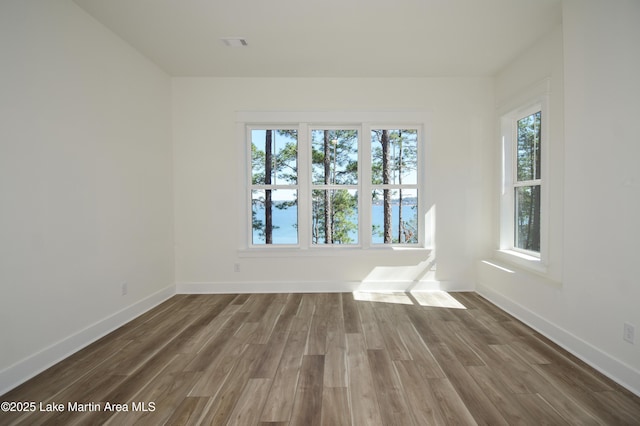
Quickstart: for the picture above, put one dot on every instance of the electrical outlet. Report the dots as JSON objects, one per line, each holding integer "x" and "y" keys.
{"x": 124, "y": 289}
{"x": 629, "y": 333}
{"x": 236, "y": 267}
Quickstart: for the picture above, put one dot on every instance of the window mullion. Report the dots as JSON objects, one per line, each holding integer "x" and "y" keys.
{"x": 364, "y": 181}
{"x": 304, "y": 186}
{"x": 521, "y": 183}
{"x": 246, "y": 229}
{"x": 332, "y": 186}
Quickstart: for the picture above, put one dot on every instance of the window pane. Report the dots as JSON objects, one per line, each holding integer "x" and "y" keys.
{"x": 334, "y": 156}
{"x": 529, "y": 147}
{"x": 394, "y": 216}
{"x": 274, "y": 216}
{"x": 274, "y": 157}
{"x": 334, "y": 216}
{"x": 394, "y": 156}
{"x": 527, "y": 218}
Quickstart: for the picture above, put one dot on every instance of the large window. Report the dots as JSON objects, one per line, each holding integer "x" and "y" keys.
{"x": 522, "y": 204}
{"x": 343, "y": 185}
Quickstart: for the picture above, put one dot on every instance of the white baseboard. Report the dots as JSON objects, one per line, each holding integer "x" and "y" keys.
{"x": 313, "y": 286}
{"x": 264, "y": 287}
{"x": 29, "y": 367}
{"x": 614, "y": 369}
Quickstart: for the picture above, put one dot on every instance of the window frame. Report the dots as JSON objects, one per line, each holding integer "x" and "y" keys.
{"x": 265, "y": 187}
{"x": 305, "y": 122}
{"x": 509, "y": 182}
{"x": 395, "y": 186}
{"x": 333, "y": 186}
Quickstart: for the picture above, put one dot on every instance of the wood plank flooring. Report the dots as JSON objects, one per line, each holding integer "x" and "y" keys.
{"x": 325, "y": 359}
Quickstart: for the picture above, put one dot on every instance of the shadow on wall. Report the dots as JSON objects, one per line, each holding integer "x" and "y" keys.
{"x": 403, "y": 278}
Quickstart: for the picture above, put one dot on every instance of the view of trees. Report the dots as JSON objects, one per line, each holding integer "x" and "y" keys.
{"x": 334, "y": 168}
{"x": 394, "y": 164}
{"x": 273, "y": 162}
{"x": 334, "y": 180}
{"x": 527, "y": 190}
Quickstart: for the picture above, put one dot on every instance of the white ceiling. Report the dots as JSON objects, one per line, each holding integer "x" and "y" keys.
{"x": 329, "y": 38}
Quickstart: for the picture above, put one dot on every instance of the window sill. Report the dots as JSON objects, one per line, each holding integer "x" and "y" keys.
{"x": 274, "y": 252}
{"x": 522, "y": 260}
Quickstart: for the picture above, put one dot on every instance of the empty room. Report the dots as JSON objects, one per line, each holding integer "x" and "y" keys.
{"x": 298, "y": 212}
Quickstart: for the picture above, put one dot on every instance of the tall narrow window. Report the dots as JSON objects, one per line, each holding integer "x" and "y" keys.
{"x": 523, "y": 203}
{"x": 527, "y": 185}
{"x": 394, "y": 182}
{"x": 334, "y": 154}
{"x": 274, "y": 186}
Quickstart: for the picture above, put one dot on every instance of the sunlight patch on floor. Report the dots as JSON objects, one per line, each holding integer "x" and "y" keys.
{"x": 437, "y": 298}
{"x": 432, "y": 298}
{"x": 399, "y": 298}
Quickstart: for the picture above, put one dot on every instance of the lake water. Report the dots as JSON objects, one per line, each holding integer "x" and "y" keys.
{"x": 286, "y": 219}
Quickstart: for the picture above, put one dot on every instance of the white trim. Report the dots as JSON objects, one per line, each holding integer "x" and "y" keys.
{"x": 244, "y": 176}
{"x": 29, "y": 367}
{"x": 530, "y": 101}
{"x": 304, "y": 182}
{"x": 366, "y": 217}
{"x": 523, "y": 260}
{"x": 237, "y": 287}
{"x": 332, "y": 117}
{"x": 387, "y": 251}
{"x": 616, "y": 370}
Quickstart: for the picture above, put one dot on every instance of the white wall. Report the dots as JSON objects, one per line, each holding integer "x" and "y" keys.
{"x": 85, "y": 184}
{"x": 206, "y": 162}
{"x": 598, "y": 290}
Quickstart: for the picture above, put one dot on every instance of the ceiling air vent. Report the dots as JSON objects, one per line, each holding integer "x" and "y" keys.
{"x": 234, "y": 41}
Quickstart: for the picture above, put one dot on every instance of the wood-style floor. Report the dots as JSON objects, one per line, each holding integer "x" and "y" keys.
{"x": 325, "y": 359}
